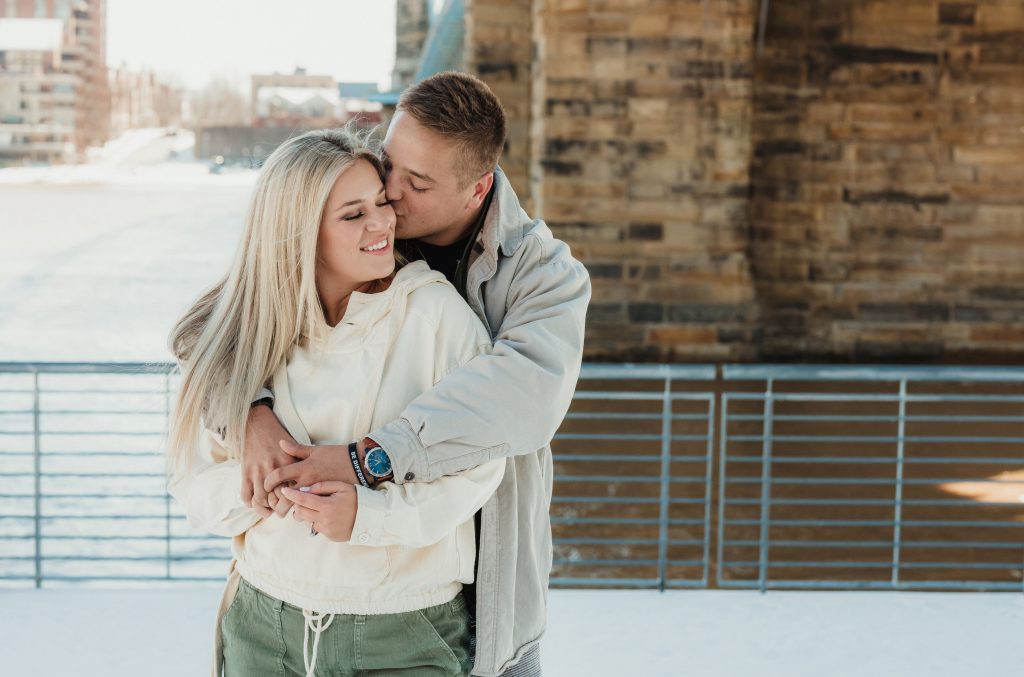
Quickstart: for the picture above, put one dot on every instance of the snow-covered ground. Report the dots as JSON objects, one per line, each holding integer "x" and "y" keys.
{"x": 98, "y": 260}
{"x": 161, "y": 633}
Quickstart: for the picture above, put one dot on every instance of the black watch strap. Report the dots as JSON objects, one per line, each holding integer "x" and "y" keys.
{"x": 353, "y": 453}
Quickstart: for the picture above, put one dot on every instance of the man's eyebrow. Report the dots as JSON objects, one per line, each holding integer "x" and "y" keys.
{"x": 355, "y": 202}
{"x": 422, "y": 176}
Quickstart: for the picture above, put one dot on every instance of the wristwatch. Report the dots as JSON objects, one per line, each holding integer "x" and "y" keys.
{"x": 377, "y": 462}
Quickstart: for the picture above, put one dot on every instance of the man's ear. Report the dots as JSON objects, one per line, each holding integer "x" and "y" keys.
{"x": 481, "y": 187}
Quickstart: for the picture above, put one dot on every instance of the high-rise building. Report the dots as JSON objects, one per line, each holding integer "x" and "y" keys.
{"x": 37, "y": 98}
{"x": 51, "y": 95}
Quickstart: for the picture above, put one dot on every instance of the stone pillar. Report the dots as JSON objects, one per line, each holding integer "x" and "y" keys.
{"x": 412, "y": 22}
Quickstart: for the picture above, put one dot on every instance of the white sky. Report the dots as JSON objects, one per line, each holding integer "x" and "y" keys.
{"x": 196, "y": 40}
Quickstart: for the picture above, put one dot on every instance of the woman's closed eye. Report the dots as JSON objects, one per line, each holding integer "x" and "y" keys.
{"x": 356, "y": 217}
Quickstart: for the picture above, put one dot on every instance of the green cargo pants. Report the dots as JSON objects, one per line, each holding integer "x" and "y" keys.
{"x": 263, "y": 636}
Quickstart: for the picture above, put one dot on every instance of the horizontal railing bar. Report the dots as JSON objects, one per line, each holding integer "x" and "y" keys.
{"x": 871, "y": 480}
{"x": 971, "y": 503}
{"x": 604, "y": 520}
{"x": 107, "y": 537}
{"x": 80, "y": 474}
{"x": 115, "y": 517}
{"x": 609, "y": 582}
{"x": 875, "y": 544}
{"x": 633, "y": 458}
{"x": 162, "y": 497}
{"x": 605, "y": 499}
{"x": 85, "y": 454}
{"x": 112, "y": 368}
{"x": 921, "y": 460}
{"x": 604, "y": 562}
{"x": 879, "y": 523}
{"x": 910, "y": 418}
{"x": 606, "y": 541}
{"x": 998, "y": 566}
{"x": 872, "y": 439}
{"x": 607, "y": 478}
{"x": 871, "y": 585}
{"x": 677, "y": 372}
{"x": 809, "y": 372}
{"x": 114, "y": 558}
{"x": 861, "y": 397}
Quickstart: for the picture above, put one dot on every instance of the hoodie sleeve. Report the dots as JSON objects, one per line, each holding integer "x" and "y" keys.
{"x": 418, "y": 514}
{"x": 512, "y": 399}
{"x": 210, "y": 491}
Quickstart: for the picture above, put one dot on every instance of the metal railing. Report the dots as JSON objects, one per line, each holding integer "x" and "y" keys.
{"x": 666, "y": 476}
{"x": 872, "y": 478}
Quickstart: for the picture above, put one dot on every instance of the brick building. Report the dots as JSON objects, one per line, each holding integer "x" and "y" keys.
{"x": 837, "y": 182}
{"x": 81, "y": 59}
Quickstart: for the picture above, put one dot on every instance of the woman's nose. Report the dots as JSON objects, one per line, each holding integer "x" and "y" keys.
{"x": 383, "y": 219}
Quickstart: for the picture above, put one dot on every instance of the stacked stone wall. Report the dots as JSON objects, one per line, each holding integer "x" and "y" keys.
{"x": 853, "y": 192}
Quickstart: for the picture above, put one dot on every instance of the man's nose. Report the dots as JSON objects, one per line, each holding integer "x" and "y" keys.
{"x": 391, "y": 188}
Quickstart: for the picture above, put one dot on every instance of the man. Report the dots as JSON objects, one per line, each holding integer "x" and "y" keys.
{"x": 457, "y": 210}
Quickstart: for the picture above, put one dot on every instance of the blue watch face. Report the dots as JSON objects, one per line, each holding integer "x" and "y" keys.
{"x": 378, "y": 462}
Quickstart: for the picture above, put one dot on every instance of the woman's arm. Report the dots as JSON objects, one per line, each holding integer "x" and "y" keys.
{"x": 416, "y": 514}
{"x": 210, "y": 489}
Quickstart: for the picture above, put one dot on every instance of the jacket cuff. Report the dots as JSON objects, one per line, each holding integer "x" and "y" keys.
{"x": 264, "y": 393}
{"x": 408, "y": 455}
{"x": 371, "y": 509}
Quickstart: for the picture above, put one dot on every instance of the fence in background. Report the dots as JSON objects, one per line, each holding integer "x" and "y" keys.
{"x": 666, "y": 476}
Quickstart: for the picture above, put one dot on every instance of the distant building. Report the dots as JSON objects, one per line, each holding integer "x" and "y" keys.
{"x": 142, "y": 100}
{"x": 57, "y": 90}
{"x": 296, "y": 100}
{"x": 37, "y": 96}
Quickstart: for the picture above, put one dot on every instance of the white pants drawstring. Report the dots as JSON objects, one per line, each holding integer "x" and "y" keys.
{"x": 314, "y": 622}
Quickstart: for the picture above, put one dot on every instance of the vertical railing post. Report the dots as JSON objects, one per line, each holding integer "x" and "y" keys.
{"x": 37, "y": 451}
{"x": 167, "y": 495}
{"x": 901, "y": 427}
{"x": 709, "y": 454}
{"x": 723, "y": 451}
{"x": 666, "y": 479}
{"x": 766, "y": 486}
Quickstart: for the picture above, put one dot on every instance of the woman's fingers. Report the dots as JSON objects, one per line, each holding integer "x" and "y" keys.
{"x": 306, "y": 514}
{"x": 327, "y": 488}
{"x": 305, "y": 499}
{"x": 283, "y": 505}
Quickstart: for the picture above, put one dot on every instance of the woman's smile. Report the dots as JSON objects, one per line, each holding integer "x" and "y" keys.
{"x": 378, "y": 248}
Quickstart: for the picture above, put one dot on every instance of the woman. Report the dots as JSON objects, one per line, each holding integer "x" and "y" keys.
{"x": 313, "y": 303}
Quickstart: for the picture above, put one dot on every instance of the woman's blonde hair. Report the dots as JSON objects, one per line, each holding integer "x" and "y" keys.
{"x": 233, "y": 339}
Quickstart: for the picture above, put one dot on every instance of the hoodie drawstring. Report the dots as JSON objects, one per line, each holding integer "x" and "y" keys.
{"x": 315, "y": 622}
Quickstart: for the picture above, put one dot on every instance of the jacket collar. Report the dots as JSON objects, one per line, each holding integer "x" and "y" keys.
{"x": 505, "y": 222}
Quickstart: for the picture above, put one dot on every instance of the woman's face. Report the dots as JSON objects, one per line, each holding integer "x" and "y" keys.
{"x": 357, "y": 230}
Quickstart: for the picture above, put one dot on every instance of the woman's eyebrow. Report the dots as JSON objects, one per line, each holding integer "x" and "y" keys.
{"x": 355, "y": 202}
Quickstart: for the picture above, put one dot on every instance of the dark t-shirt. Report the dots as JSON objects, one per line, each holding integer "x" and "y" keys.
{"x": 451, "y": 259}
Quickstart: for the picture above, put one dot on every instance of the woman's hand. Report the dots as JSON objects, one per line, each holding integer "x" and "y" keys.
{"x": 313, "y": 464}
{"x": 330, "y": 507}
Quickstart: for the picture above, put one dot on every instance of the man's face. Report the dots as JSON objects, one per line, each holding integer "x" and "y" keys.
{"x": 422, "y": 184}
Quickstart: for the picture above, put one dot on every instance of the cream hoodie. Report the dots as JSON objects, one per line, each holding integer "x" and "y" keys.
{"x": 412, "y": 545}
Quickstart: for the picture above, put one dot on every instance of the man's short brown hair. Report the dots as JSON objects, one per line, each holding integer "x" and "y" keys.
{"x": 462, "y": 108}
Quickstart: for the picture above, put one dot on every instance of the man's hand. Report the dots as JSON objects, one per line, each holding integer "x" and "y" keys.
{"x": 330, "y": 507}
{"x": 261, "y": 455}
{"x": 329, "y": 462}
